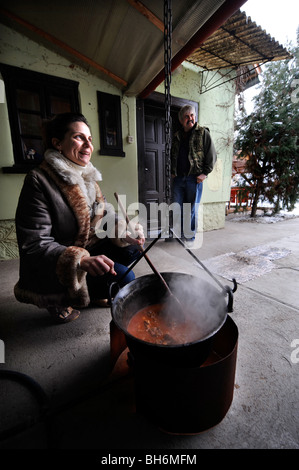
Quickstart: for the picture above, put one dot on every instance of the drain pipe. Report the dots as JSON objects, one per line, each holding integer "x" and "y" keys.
{"x": 226, "y": 10}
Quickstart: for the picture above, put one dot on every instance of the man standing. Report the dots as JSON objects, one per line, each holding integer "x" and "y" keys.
{"x": 193, "y": 157}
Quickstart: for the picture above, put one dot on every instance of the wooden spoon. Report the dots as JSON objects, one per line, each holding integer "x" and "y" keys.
{"x": 173, "y": 301}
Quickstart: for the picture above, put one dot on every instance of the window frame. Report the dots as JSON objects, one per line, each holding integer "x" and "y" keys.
{"x": 16, "y": 78}
{"x": 108, "y": 103}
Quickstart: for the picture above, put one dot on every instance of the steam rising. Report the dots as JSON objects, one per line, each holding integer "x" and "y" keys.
{"x": 202, "y": 313}
{"x": 203, "y": 306}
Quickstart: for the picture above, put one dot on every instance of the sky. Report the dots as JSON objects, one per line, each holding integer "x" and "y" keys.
{"x": 280, "y": 19}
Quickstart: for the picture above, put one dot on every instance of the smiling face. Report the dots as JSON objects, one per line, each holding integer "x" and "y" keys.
{"x": 76, "y": 144}
{"x": 188, "y": 120}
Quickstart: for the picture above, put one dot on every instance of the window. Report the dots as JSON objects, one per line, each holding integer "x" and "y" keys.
{"x": 110, "y": 124}
{"x": 32, "y": 97}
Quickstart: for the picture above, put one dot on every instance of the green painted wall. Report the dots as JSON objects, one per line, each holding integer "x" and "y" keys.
{"x": 119, "y": 173}
{"x": 216, "y": 111}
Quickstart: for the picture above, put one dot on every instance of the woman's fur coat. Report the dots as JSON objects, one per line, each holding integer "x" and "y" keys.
{"x": 59, "y": 207}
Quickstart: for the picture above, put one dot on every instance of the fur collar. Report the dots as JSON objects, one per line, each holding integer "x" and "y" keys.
{"x": 72, "y": 174}
{"x": 82, "y": 195}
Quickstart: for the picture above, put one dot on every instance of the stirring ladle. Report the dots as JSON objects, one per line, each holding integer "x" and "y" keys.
{"x": 158, "y": 274}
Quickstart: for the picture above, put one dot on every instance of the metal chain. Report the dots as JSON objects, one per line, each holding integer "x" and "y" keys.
{"x": 167, "y": 82}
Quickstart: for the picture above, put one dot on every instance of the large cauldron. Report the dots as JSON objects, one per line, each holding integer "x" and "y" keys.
{"x": 149, "y": 290}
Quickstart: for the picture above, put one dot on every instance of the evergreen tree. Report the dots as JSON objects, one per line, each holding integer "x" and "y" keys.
{"x": 269, "y": 137}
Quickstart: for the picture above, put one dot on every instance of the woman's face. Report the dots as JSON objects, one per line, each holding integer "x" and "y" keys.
{"x": 76, "y": 144}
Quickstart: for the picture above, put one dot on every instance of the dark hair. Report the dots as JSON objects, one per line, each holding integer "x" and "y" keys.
{"x": 59, "y": 126}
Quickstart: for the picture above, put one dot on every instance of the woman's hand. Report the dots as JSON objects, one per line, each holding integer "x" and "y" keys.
{"x": 97, "y": 265}
{"x": 137, "y": 238}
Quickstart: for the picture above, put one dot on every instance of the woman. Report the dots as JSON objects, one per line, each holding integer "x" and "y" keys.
{"x": 63, "y": 263}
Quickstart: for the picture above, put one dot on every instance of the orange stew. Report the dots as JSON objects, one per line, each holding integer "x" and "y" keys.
{"x": 154, "y": 324}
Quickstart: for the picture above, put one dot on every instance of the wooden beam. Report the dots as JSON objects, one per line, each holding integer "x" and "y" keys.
{"x": 225, "y": 11}
{"x": 62, "y": 45}
{"x": 147, "y": 13}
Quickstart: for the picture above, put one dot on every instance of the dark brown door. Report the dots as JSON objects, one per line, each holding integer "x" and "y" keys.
{"x": 152, "y": 178}
{"x": 154, "y": 164}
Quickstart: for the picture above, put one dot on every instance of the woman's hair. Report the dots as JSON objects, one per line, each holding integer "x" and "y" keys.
{"x": 59, "y": 125}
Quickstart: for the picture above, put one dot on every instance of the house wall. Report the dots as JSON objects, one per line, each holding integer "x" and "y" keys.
{"x": 119, "y": 173}
{"x": 216, "y": 111}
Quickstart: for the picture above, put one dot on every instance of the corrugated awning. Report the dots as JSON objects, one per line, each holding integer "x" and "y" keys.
{"x": 239, "y": 42}
{"x": 120, "y": 40}
{"x": 123, "y": 40}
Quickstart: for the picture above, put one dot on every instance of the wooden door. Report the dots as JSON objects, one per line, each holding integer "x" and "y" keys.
{"x": 153, "y": 166}
{"x": 151, "y": 156}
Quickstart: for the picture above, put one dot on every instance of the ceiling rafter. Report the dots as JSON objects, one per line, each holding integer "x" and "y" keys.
{"x": 147, "y": 13}
{"x": 62, "y": 45}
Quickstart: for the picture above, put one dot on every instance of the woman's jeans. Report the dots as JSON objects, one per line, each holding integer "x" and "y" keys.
{"x": 187, "y": 195}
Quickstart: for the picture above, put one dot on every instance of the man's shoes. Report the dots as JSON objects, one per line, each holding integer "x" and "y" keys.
{"x": 63, "y": 314}
{"x": 189, "y": 243}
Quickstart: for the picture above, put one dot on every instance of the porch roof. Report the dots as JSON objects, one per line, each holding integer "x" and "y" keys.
{"x": 238, "y": 42}
{"x": 123, "y": 40}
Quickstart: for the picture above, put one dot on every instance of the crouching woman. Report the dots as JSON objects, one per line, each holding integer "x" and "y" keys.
{"x": 64, "y": 265}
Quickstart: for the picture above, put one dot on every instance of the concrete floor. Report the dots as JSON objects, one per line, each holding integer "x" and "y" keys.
{"x": 92, "y": 409}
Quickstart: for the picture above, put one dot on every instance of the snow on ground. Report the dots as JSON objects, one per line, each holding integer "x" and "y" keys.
{"x": 264, "y": 217}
